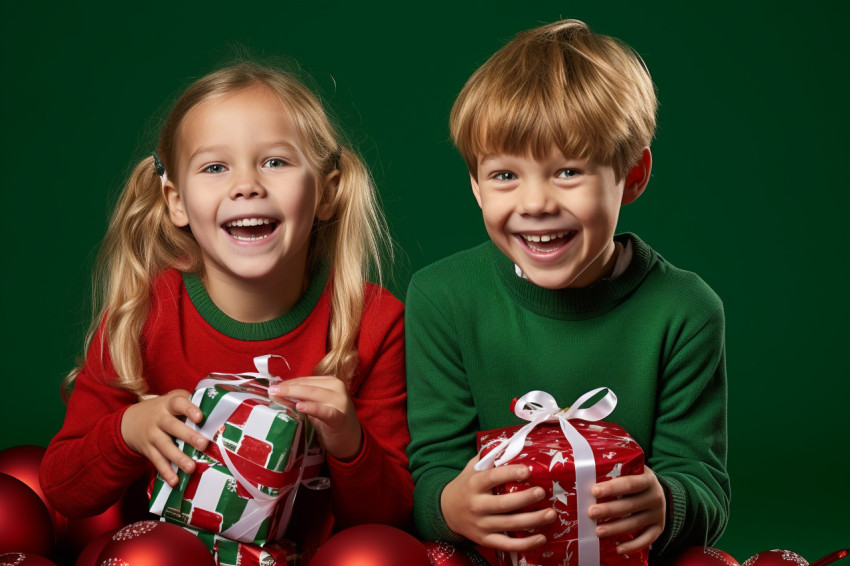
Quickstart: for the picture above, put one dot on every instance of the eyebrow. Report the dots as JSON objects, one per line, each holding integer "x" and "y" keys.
{"x": 221, "y": 147}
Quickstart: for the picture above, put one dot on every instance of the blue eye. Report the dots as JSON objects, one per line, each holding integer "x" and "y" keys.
{"x": 275, "y": 162}
{"x": 215, "y": 168}
{"x": 567, "y": 173}
{"x": 504, "y": 176}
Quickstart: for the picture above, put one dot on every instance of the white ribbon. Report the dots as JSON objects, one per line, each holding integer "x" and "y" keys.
{"x": 539, "y": 407}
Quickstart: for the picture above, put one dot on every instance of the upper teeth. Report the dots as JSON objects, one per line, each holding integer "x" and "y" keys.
{"x": 248, "y": 222}
{"x": 544, "y": 237}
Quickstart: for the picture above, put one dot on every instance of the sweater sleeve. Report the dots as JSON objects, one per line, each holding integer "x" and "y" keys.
{"x": 689, "y": 445}
{"x": 376, "y": 486}
{"x": 87, "y": 465}
{"x": 442, "y": 414}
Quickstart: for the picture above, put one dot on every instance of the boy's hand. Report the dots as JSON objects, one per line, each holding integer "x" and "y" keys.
{"x": 148, "y": 428}
{"x": 641, "y": 506}
{"x": 326, "y": 402}
{"x": 470, "y": 508}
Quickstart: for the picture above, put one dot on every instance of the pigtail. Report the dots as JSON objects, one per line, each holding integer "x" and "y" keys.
{"x": 140, "y": 243}
{"x": 355, "y": 238}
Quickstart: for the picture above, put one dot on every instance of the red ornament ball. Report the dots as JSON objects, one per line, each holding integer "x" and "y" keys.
{"x": 132, "y": 507}
{"x": 21, "y": 559}
{"x": 25, "y": 524}
{"x": 776, "y": 558}
{"x": 146, "y": 543}
{"x": 444, "y": 554}
{"x": 704, "y": 556}
{"x": 375, "y": 545}
{"x": 23, "y": 462}
{"x": 90, "y": 554}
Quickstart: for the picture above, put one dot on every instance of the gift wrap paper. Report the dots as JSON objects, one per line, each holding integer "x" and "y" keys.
{"x": 550, "y": 457}
{"x": 231, "y": 553}
{"x": 245, "y": 481}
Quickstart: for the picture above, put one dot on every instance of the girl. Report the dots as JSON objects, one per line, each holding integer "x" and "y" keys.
{"x": 251, "y": 233}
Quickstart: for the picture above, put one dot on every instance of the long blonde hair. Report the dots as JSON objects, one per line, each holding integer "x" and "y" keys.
{"x": 560, "y": 84}
{"x": 141, "y": 241}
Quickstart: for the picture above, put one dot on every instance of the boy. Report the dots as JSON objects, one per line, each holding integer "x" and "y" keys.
{"x": 555, "y": 130}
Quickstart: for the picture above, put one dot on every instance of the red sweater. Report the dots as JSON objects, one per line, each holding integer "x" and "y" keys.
{"x": 87, "y": 465}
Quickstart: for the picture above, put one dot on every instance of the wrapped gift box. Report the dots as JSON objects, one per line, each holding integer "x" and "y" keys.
{"x": 244, "y": 484}
{"x": 554, "y": 451}
{"x": 231, "y": 553}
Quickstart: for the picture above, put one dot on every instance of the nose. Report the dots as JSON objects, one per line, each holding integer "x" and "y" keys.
{"x": 247, "y": 184}
{"x": 535, "y": 198}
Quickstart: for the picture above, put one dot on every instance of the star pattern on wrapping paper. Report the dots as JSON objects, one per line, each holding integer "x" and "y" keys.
{"x": 559, "y": 493}
{"x": 616, "y": 471}
{"x": 212, "y": 392}
{"x": 557, "y": 458}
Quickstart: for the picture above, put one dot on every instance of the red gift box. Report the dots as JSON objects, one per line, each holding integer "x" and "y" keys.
{"x": 567, "y": 452}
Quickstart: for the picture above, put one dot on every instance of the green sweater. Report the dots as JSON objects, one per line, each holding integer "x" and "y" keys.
{"x": 478, "y": 336}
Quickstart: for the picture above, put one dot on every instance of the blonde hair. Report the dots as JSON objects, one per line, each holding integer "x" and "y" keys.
{"x": 560, "y": 84}
{"x": 141, "y": 241}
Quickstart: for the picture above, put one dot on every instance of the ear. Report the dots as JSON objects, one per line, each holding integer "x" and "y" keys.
{"x": 175, "y": 205}
{"x": 326, "y": 207}
{"x": 638, "y": 177}
{"x": 475, "y": 190}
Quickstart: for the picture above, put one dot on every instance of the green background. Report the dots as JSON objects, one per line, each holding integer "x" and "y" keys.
{"x": 749, "y": 186}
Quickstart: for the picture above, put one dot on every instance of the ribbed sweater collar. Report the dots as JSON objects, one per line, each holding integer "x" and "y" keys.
{"x": 256, "y": 330}
{"x": 576, "y": 304}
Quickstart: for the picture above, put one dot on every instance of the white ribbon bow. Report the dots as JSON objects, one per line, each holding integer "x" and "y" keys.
{"x": 539, "y": 407}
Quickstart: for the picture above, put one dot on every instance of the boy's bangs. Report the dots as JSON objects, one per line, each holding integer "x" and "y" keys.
{"x": 535, "y": 129}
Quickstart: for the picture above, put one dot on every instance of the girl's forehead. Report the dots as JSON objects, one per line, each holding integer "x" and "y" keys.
{"x": 251, "y": 116}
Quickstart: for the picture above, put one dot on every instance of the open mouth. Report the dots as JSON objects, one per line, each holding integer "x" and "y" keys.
{"x": 250, "y": 229}
{"x": 547, "y": 243}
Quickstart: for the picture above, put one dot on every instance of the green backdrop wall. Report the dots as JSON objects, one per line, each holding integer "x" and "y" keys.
{"x": 749, "y": 186}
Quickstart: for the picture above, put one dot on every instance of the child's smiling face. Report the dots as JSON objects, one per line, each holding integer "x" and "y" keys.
{"x": 554, "y": 217}
{"x": 245, "y": 188}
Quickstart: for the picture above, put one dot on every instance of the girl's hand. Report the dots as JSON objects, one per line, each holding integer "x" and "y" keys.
{"x": 471, "y": 509}
{"x": 641, "y": 506}
{"x": 326, "y": 402}
{"x": 148, "y": 428}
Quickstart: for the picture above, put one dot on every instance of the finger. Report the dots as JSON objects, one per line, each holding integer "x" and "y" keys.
{"x": 518, "y": 521}
{"x": 630, "y": 524}
{"x": 312, "y": 392}
{"x": 176, "y": 428}
{"x": 330, "y": 416}
{"x": 624, "y": 485}
{"x": 620, "y": 507}
{"x": 508, "y": 502}
{"x": 168, "y": 450}
{"x": 181, "y": 405}
{"x": 163, "y": 467}
{"x": 643, "y": 540}
{"x": 500, "y": 475}
{"x": 503, "y": 542}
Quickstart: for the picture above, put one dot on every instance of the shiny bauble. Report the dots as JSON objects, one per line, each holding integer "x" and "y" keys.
{"x": 704, "y": 556}
{"x": 776, "y": 558}
{"x": 132, "y": 507}
{"x": 25, "y": 524}
{"x": 23, "y": 559}
{"x": 444, "y": 554}
{"x": 375, "y": 545}
{"x": 23, "y": 463}
{"x": 149, "y": 543}
{"x": 90, "y": 554}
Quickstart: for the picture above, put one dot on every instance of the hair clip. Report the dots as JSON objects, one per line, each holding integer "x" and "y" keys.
{"x": 157, "y": 163}
{"x": 159, "y": 167}
{"x": 336, "y": 156}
